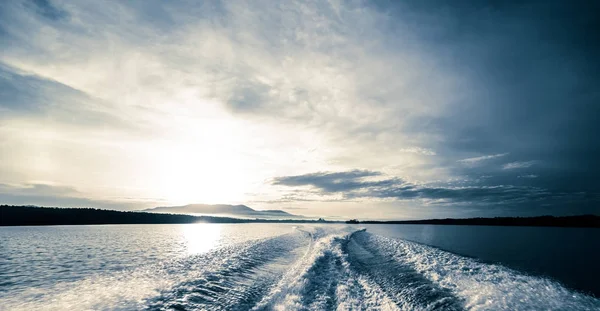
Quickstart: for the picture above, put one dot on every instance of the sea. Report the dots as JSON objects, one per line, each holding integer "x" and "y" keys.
{"x": 298, "y": 267}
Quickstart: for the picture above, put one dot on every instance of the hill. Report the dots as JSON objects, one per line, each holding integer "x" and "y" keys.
{"x": 240, "y": 211}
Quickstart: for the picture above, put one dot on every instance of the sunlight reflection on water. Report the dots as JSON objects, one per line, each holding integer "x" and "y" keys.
{"x": 200, "y": 238}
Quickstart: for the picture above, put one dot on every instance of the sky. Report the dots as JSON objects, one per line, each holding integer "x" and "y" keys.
{"x": 365, "y": 109}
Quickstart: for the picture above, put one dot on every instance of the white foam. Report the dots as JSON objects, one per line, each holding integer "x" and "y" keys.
{"x": 323, "y": 279}
{"x": 484, "y": 286}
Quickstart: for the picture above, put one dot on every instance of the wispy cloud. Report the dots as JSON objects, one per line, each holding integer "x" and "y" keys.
{"x": 419, "y": 150}
{"x": 518, "y": 165}
{"x": 476, "y": 160}
{"x": 528, "y": 176}
{"x": 63, "y": 196}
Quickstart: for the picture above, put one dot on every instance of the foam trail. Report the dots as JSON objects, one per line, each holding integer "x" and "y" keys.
{"x": 407, "y": 288}
{"x": 323, "y": 280}
{"x": 479, "y": 286}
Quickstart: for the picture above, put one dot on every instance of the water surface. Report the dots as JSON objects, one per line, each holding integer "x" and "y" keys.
{"x": 284, "y": 267}
{"x": 569, "y": 255}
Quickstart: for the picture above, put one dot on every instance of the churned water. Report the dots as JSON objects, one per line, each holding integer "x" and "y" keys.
{"x": 268, "y": 267}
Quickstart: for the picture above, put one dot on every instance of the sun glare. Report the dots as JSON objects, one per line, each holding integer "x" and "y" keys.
{"x": 201, "y": 238}
{"x": 206, "y": 166}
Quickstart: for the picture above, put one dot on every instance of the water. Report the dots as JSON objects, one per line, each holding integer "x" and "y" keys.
{"x": 296, "y": 267}
{"x": 570, "y": 255}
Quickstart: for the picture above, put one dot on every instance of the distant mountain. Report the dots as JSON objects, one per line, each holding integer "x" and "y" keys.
{"x": 222, "y": 209}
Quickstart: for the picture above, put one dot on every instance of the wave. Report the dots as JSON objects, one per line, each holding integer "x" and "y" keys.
{"x": 363, "y": 271}
{"x": 314, "y": 268}
{"x": 237, "y": 283}
{"x": 219, "y": 279}
{"x": 478, "y": 285}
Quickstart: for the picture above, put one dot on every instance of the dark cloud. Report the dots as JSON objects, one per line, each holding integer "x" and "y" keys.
{"x": 248, "y": 96}
{"x": 49, "y": 10}
{"x": 352, "y": 185}
{"x": 22, "y": 92}
{"x": 333, "y": 182}
{"x": 528, "y": 102}
{"x": 532, "y": 69}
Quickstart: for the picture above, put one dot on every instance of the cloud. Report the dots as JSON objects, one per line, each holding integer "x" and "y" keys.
{"x": 25, "y": 95}
{"x": 518, "y": 165}
{"x": 61, "y": 196}
{"x": 48, "y": 10}
{"x": 525, "y": 86}
{"x": 248, "y": 96}
{"x": 353, "y": 185}
{"x": 37, "y": 189}
{"x": 333, "y": 182}
{"x": 135, "y": 95}
{"x": 419, "y": 150}
{"x": 528, "y": 176}
{"x": 482, "y": 158}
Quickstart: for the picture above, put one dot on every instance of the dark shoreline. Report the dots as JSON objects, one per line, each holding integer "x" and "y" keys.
{"x": 11, "y": 215}
{"x": 580, "y": 221}
{"x": 51, "y": 216}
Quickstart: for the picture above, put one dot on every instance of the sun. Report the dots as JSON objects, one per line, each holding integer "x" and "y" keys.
{"x": 194, "y": 175}
{"x": 204, "y": 163}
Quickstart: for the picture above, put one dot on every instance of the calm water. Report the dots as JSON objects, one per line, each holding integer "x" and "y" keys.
{"x": 293, "y": 267}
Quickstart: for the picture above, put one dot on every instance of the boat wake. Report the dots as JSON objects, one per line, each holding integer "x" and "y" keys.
{"x": 313, "y": 268}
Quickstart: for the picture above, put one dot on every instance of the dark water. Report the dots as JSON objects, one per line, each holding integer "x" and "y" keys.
{"x": 289, "y": 267}
{"x": 569, "y": 255}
